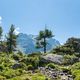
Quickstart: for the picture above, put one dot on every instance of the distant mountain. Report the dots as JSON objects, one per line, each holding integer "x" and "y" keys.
{"x": 26, "y": 43}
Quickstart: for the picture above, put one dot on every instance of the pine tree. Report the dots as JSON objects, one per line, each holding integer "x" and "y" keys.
{"x": 1, "y": 31}
{"x": 41, "y": 40}
{"x": 11, "y": 39}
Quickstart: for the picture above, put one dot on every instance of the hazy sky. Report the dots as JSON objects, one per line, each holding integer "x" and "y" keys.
{"x": 30, "y": 16}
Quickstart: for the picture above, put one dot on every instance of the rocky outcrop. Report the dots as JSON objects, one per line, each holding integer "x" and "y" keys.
{"x": 16, "y": 66}
{"x": 53, "y": 58}
{"x": 55, "y": 74}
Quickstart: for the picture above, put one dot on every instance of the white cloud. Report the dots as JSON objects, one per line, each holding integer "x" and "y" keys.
{"x": 0, "y": 19}
{"x": 16, "y": 31}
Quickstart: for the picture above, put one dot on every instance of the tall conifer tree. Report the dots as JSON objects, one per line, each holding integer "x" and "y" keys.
{"x": 11, "y": 39}
{"x": 41, "y": 40}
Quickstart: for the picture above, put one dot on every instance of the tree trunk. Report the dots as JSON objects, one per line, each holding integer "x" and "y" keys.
{"x": 44, "y": 45}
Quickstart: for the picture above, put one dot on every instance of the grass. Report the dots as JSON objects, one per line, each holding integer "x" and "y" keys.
{"x": 36, "y": 76}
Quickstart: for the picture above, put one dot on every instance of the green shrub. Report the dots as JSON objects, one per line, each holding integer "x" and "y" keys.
{"x": 38, "y": 77}
{"x": 27, "y": 79}
{"x": 16, "y": 78}
{"x": 34, "y": 61}
{"x": 75, "y": 66}
{"x": 77, "y": 78}
{"x": 35, "y": 54}
{"x": 51, "y": 65}
{"x": 67, "y": 70}
{"x": 75, "y": 69}
{"x": 9, "y": 74}
{"x": 15, "y": 57}
{"x": 2, "y": 78}
{"x": 30, "y": 67}
{"x": 1, "y": 67}
{"x": 69, "y": 59}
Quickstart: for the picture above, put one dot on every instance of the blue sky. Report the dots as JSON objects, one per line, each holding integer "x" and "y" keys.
{"x": 30, "y": 16}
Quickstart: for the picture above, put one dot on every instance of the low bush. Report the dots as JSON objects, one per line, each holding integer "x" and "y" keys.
{"x": 66, "y": 70}
{"x": 51, "y": 65}
{"x": 1, "y": 67}
{"x": 34, "y": 61}
{"x": 69, "y": 59}
{"x": 30, "y": 67}
{"x": 2, "y": 78}
{"x": 75, "y": 70}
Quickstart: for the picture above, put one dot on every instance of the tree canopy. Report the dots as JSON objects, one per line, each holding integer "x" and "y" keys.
{"x": 41, "y": 40}
{"x": 11, "y": 39}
